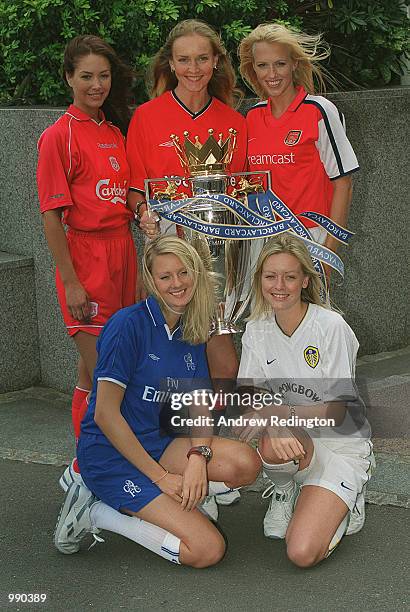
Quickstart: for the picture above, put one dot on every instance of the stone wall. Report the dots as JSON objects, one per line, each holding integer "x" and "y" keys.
{"x": 373, "y": 296}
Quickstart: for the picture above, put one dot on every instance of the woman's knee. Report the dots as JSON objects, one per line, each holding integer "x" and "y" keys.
{"x": 209, "y": 551}
{"x": 304, "y": 554}
{"x": 243, "y": 467}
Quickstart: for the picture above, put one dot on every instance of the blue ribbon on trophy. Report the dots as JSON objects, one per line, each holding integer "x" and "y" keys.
{"x": 257, "y": 225}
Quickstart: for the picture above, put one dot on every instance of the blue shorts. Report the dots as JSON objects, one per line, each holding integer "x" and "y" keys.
{"x": 112, "y": 478}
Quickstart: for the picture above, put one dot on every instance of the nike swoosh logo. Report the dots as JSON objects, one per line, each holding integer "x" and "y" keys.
{"x": 250, "y": 139}
{"x": 269, "y": 362}
{"x": 345, "y": 487}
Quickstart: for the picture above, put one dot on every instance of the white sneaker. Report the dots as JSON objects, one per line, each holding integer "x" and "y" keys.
{"x": 227, "y": 498}
{"x": 74, "y": 520}
{"x": 280, "y": 510}
{"x": 209, "y": 508}
{"x": 69, "y": 476}
{"x": 357, "y": 515}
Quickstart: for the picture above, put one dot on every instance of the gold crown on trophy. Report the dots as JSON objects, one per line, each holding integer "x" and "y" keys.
{"x": 212, "y": 157}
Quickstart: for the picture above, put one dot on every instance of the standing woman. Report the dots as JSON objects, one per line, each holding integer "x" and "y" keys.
{"x": 83, "y": 179}
{"x": 149, "y": 353}
{"x": 295, "y": 134}
{"x": 192, "y": 89}
{"x": 306, "y": 352}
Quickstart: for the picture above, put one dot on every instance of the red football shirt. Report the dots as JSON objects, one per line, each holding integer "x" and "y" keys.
{"x": 83, "y": 169}
{"x": 150, "y": 150}
{"x": 304, "y": 150}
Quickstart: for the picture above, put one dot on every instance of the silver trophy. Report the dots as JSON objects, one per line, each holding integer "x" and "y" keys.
{"x": 206, "y": 174}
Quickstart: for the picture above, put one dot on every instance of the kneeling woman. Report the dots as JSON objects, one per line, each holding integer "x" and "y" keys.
{"x": 155, "y": 480}
{"x": 306, "y": 353}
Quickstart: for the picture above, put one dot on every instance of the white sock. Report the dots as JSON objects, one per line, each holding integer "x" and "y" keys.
{"x": 281, "y": 474}
{"x": 148, "y": 535}
{"x": 216, "y": 488}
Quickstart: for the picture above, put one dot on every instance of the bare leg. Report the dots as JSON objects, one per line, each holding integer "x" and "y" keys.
{"x": 234, "y": 463}
{"x": 317, "y": 516}
{"x": 86, "y": 345}
{"x": 201, "y": 543}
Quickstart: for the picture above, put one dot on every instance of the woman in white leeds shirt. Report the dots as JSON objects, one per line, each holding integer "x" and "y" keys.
{"x": 305, "y": 352}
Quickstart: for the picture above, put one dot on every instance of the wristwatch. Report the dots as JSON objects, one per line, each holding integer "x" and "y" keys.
{"x": 205, "y": 451}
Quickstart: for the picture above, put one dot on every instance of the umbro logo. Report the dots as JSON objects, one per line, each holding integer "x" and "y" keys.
{"x": 154, "y": 357}
{"x": 268, "y": 362}
{"x": 168, "y": 143}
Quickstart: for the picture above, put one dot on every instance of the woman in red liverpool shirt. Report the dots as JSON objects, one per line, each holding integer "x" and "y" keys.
{"x": 83, "y": 179}
{"x": 295, "y": 134}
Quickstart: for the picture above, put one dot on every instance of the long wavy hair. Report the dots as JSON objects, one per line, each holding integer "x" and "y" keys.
{"x": 305, "y": 49}
{"x": 222, "y": 85}
{"x": 115, "y": 106}
{"x": 198, "y": 315}
{"x": 285, "y": 243}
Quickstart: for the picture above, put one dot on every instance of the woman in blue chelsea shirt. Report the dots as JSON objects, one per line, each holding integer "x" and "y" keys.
{"x": 140, "y": 481}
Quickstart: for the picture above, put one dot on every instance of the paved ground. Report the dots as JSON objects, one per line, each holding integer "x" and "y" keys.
{"x": 368, "y": 571}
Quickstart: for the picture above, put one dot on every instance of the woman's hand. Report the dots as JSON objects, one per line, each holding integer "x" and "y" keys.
{"x": 171, "y": 485}
{"x": 149, "y": 224}
{"x": 284, "y": 444}
{"x": 194, "y": 482}
{"x": 78, "y": 302}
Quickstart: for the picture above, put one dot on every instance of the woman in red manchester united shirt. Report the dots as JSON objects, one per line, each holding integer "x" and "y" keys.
{"x": 192, "y": 89}
{"x": 83, "y": 179}
{"x": 296, "y": 135}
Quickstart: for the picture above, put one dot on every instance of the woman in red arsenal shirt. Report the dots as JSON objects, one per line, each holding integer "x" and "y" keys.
{"x": 83, "y": 179}
{"x": 295, "y": 134}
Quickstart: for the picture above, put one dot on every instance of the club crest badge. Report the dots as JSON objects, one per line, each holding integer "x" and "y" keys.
{"x": 311, "y": 355}
{"x": 292, "y": 137}
{"x": 93, "y": 309}
{"x": 114, "y": 163}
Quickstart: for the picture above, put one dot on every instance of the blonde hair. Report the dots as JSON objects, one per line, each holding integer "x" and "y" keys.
{"x": 223, "y": 82}
{"x": 307, "y": 50}
{"x": 285, "y": 243}
{"x": 198, "y": 315}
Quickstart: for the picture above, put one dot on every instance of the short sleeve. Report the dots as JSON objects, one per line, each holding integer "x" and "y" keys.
{"x": 52, "y": 171}
{"x": 340, "y": 362}
{"x": 335, "y": 151}
{"x": 117, "y": 351}
{"x": 135, "y": 152}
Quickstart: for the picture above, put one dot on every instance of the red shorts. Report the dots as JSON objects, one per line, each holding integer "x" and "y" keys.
{"x": 106, "y": 266}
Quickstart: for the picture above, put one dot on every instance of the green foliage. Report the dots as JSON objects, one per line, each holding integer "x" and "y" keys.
{"x": 369, "y": 38}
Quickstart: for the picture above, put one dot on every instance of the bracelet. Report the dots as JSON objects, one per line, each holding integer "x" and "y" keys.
{"x": 137, "y": 216}
{"x": 161, "y": 477}
{"x": 138, "y": 206}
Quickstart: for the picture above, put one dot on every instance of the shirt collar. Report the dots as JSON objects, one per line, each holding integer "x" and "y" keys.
{"x": 294, "y": 105}
{"x": 156, "y": 314}
{"x": 78, "y": 114}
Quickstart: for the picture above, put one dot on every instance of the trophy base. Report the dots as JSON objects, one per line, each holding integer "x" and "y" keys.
{"x": 221, "y": 327}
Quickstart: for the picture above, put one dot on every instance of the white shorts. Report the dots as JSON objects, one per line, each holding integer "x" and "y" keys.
{"x": 341, "y": 467}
